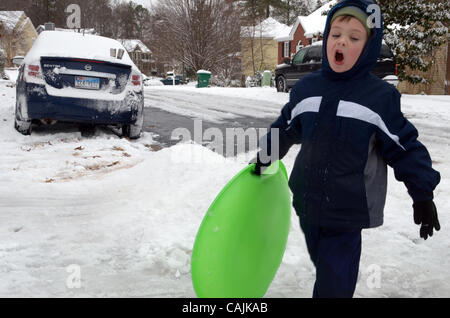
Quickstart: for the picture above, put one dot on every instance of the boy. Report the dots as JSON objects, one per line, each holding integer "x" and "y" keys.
{"x": 350, "y": 126}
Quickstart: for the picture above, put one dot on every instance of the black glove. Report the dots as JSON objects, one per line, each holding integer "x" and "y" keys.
{"x": 259, "y": 166}
{"x": 425, "y": 213}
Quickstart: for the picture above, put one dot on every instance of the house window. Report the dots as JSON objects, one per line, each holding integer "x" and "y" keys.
{"x": 286, "y": 52}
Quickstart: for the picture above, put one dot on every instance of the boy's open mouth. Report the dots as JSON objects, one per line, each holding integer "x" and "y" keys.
{"x": 339, "y": 58}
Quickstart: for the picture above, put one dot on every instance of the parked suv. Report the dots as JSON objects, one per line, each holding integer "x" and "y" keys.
{"x": 309, "y": 59}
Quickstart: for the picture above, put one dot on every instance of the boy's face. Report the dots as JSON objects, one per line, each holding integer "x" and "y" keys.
{"x": 345, "y": 43}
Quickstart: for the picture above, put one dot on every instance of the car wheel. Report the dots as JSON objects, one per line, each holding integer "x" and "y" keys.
{"x": 87, "y": 130}
{"x": 131, "y": 131}
{"x": 24, "y": 127}
{"x": 21, "y": 125}
{"x": 281, "y": 84}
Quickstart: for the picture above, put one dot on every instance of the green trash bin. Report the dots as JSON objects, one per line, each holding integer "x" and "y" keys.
{"x": 267, "y": 77}
{"x": 203, "y": 78}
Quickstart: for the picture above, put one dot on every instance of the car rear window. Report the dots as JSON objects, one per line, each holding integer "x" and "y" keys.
{"x": 298, "y": 58}
{"x": 314, "y": 54}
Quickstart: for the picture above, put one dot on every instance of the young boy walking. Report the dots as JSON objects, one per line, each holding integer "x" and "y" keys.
{"x": 350, "y": 126}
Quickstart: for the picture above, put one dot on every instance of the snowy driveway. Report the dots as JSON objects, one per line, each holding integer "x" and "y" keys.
{"x": 101, "y": 216}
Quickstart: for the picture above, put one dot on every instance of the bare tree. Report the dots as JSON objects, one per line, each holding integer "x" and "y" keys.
{"x": 12, "y": 43}
{"x": 2, "y": 53}
{"x": 198, "y": 33}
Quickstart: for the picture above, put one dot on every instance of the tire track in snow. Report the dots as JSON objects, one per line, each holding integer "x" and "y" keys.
{"x": 198, "y": 104}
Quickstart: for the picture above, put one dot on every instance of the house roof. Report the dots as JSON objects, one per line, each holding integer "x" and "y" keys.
{"x": 9, "y": 19}
{"x": 269, "y": 28}
{"x": 132, "y": 44}
{"x": 312, "y": 24}
{"x": 315, "y": 22}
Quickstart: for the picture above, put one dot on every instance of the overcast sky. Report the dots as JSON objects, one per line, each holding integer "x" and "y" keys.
{"x": 145, "y": 3}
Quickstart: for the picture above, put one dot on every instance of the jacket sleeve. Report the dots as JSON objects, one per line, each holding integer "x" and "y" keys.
{"x": 281, "y": 135}
{"x": 402, "y": 151}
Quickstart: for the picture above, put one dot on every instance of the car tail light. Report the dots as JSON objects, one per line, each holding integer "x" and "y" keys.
{"x": 33, "y": 74}
{"x": 136, "y": 80}
{"x": 396, "y": 71}
{"x": 33, "y": 70}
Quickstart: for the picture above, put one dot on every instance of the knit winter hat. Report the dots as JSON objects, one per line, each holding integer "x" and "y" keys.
{"x": 354, "y": 12}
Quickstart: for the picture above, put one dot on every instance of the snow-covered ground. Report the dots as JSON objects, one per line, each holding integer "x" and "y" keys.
{"x": 122, "y": 216}
{"x": 216, "y": 104}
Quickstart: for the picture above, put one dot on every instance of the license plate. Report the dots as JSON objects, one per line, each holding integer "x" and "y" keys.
{"x": 87, "y": 82}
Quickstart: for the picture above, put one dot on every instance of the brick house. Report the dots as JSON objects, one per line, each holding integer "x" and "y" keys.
{"x": 17, "y": 34}
{"x": 305, "y": 31}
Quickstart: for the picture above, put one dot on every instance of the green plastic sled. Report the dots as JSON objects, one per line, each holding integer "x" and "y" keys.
{"x": 242, "y": 239}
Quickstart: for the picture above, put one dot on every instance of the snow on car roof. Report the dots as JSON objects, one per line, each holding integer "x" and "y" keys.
{"x": 76, "y": 45}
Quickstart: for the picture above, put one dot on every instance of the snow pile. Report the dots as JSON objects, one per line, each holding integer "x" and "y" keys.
{"x": 153, "y": 81}
{"x": 101, "y": 216}
{"x": 12, "y": 74}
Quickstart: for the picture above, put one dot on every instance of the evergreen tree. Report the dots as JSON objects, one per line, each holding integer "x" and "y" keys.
{"x": 254, "y": 11}
{"x": 414, "y": 29}
{"x": 288, "y": 12}
{"x": 319, "y": 3}
{"x": 141, "y": 21}
{"x": 267, "y": 4}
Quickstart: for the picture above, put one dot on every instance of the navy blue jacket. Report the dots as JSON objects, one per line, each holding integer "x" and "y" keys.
{"x": 350, "y": 126}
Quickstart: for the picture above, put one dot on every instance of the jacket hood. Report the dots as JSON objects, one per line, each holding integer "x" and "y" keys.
{"x": 370, "y": 53}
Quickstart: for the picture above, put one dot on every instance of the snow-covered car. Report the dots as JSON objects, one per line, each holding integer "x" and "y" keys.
{"x": 77, "y": 78}
{"x": 169, "y": 80}
{"x": 153, "y": 81}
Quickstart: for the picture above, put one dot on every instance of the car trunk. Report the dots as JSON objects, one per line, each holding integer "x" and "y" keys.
{"x": 85, "y": 74}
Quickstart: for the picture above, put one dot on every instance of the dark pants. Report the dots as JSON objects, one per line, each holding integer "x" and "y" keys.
{"x": 335, "y": 254}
